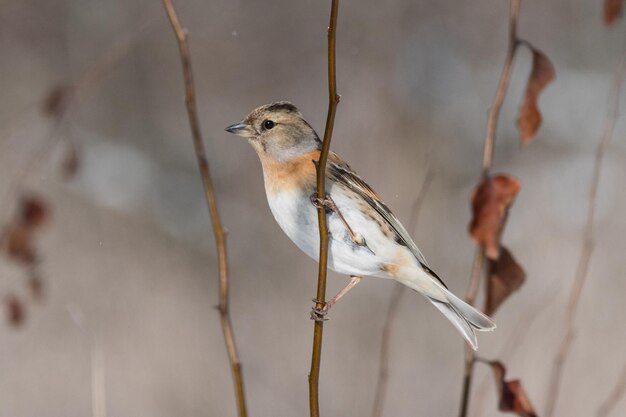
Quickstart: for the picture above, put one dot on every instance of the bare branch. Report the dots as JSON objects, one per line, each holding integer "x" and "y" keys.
{"x": 333, "y": 100}
{"x": 209, "y": 192}
{"x": 588, "y": 242}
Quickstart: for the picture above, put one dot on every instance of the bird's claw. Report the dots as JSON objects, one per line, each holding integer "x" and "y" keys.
{"x": 319, "y": 314}
{"x": 327, "y": 203}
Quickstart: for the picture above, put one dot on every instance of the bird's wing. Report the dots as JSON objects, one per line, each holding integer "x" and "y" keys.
{"x": 341, "y": 173}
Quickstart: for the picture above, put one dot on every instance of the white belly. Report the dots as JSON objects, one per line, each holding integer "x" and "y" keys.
{"x": 298, "y": 218}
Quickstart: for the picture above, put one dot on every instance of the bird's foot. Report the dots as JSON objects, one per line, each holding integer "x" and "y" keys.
{"x": 319, "y": 313}
{"x": 327, "y": 203}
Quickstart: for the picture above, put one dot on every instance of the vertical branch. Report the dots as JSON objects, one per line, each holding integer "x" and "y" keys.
{"x": 383, "y": 360}
{"x": 394, "y": 302}
{"x": 587, "y": 246}
{"x": 209, "y": 192}
{"x": 503, "y": 84}
{"x": 490, "y": 140}
{"x": 333, "y": 100}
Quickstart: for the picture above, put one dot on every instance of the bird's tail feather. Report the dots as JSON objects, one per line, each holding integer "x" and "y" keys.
{"x": 464, "y": 317}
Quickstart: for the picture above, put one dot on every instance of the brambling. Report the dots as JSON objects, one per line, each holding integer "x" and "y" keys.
{"x": 366, "y": 239}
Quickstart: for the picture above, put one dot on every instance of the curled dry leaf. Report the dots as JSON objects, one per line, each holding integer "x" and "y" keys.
{"x": 612, "y": 11}
{"x": 490, "y": 203}
{"x": 513, "y": 398}
{"x": 504, "y": 277}
{"x": 541, "y": 75}
{"x": 14, "y": 310}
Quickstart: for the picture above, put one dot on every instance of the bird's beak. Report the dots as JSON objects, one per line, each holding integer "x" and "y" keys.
{"x": 241, "y": 129}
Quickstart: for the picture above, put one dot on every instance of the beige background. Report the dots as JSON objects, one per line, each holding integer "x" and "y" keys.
{"x": 129, "y": 260}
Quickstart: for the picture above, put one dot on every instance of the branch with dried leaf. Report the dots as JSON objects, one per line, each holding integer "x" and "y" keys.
{"x": 584, "y": 260}
{"x": 512, "y": 396}
{"x": 517, "y": 338}
{"x": 333, "y": 100}
{"x": 18, "y": 243}
{"x": 479, "y": 257}
{"x": 494, "y": 195}
{"x": 209, "y": 192}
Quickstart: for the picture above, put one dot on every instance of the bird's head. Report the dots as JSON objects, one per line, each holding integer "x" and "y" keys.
{"x": 277, "y": 131}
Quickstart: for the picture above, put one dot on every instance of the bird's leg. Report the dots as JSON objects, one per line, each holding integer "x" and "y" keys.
{"x": 319, "y": 314}
{"x": 354, "y": 280}
{"x": 330, "y": 206}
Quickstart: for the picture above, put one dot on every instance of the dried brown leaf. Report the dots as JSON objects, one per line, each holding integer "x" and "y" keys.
{"x": 505, "y": 276}
{"x": 612, "y": 11}
{"x": 541, "y": 75}
{"x": 18, "y": 244}
{"x": 14, "y": 310}
{"x": 490, "y": 203}
{"x": 513, "y": 398}
{"x": 33, "y": 212}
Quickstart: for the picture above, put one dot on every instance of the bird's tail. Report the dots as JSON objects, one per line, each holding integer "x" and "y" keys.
{"x": 463, "y": 316}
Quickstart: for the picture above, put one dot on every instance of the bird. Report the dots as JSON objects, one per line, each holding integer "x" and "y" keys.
{"x": 365, "y": 238}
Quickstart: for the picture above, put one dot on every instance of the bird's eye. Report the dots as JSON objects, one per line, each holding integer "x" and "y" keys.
{"x": 268, "y": 124}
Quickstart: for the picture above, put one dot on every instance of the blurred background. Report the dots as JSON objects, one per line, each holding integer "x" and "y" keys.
{"x": 127, "y": 260}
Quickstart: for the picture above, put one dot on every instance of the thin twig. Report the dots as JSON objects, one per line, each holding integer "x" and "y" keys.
{"x": 503, "y": 84}
{"x": 383, "y": 360}
{"x": 394, "y": 303}
{"x": 490, "y": 140}
{"x": 333, "y": 100}
{"x": 209, "y": 192}
{"x": 588, "y": 241}
{"x": 614, "y": 397}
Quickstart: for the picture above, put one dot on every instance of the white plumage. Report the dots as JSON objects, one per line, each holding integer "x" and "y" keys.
{"x": 297, "y": 217}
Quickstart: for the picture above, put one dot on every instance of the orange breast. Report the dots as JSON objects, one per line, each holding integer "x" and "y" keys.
{"x": 297, "y": 173}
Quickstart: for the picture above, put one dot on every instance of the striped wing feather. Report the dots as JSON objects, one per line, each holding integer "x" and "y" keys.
{"x": 340, "y": 172}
